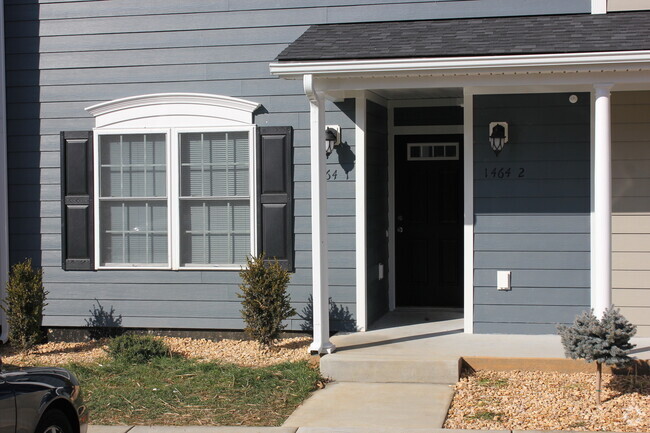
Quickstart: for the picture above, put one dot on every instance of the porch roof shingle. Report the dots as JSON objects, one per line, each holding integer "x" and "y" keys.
{"x": 545, "y": 34}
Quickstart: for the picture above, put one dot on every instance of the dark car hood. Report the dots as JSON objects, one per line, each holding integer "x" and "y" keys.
{"x": 49, "y": 376}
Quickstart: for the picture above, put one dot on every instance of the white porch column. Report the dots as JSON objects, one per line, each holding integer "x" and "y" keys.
{"x": 598, "y": 6}
{"x": 321, "y": 320}
{"x": 601, "y": 230}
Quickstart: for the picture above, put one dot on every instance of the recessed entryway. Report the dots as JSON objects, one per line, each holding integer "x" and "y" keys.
{"x": 428, "y": 220}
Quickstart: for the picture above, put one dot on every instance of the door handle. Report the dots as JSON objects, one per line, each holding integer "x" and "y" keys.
{"x": 400, "y": 229}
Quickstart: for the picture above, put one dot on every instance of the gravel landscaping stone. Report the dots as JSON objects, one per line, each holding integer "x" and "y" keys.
{"x": 245, "y": 353}
{"x": 524, "y": 400}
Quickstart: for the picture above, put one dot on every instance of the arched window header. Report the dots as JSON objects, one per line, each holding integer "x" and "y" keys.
{"x": 179, "y": 109}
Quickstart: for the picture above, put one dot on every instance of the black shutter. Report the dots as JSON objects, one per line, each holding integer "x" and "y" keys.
{"x": 77, "y": 197}
{"x": 275, "y": 193}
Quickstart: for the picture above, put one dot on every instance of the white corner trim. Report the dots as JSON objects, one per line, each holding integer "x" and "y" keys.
{"x": 4, "y": 214}
{"x": 598, "y": 6}
{"x": 468, "y": 210}
{"x": 360, "y": 210}
{"x": 138, "y": 111}
{"x": 574, "y": 62}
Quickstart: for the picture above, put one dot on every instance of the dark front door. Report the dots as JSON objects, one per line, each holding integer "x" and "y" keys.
{"x": 428, "y": 220}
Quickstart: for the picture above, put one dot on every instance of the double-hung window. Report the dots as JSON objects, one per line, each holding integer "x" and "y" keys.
{"x": 214, "y": 199}
{"x": 172, "y": 195}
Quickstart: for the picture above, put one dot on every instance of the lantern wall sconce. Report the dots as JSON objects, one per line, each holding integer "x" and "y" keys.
{"x": 498, "y": 136}
{"x": 332, "y": 138}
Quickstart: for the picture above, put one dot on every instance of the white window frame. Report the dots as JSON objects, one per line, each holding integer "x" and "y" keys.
{"x": 182, "y": 113}
{"x": 96, "y": 199}
{"x": 176, "y": 182}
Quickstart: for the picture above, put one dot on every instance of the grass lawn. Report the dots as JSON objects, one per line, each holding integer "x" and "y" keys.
{"x": 179, "y": 391}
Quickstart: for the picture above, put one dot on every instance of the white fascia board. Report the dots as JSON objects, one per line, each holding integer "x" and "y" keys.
{"x": 574, "y": 62}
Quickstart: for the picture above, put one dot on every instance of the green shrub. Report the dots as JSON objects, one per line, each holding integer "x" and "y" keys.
{"x": 265, "y": 300}
{"x": 137, "y": 349}
{"x": 24, "y": 305}
{"x": 604, "y": 341}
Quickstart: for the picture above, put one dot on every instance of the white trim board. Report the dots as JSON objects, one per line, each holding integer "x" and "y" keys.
{"x": 360, "y": 211}
{"x": 437, "y": 66}
{"x": 159, "y": 110}
{"x": 468, "y": 211}
{"x": 598, "y": 6}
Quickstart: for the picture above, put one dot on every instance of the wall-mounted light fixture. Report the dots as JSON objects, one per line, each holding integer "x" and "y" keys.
{"x": 498, "y": 136}
{"x": 332, "y": 138}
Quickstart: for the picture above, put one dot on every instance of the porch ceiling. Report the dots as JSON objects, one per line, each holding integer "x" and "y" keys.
{"x": 497, "y": 36}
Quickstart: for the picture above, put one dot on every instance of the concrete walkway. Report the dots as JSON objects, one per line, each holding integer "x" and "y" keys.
{"x": 399, "y": 374}
{"x": 375, "y": 405}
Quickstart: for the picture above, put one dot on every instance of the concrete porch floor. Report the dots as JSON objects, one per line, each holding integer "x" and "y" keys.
{"x": 438, "y": 334}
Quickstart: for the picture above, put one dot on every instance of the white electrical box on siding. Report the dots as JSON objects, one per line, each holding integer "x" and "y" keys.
{"x": 503, "y": 280}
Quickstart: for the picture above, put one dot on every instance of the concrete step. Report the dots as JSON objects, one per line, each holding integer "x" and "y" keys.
{"x": 374, "y": 368}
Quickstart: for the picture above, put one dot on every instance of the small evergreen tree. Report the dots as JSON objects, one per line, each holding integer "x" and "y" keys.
{"x": 603, "y": 341}
{"x": 24, "y": 305}
{"x": 266, "y": 302}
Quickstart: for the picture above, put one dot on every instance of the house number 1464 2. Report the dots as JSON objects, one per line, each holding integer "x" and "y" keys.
{"x": 504, "y": 173}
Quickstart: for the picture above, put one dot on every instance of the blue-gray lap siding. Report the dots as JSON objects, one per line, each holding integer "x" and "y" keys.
{"x": 536, "y": 225}
{"x": 377, "y": 210}
{"x": 63, "y": 56}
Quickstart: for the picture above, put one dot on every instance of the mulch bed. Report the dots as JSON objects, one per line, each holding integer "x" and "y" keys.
{"x": 244, "y": 353}
{"x": 524, "y": 400}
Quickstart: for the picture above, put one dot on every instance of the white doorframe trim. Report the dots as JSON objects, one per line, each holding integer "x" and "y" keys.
{"x": 468, "y": 210}
{"x": 360, "y": 211}
{"x": 415, "y": 130}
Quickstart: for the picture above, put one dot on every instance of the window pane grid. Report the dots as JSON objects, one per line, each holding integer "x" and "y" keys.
{"x": 133, "y": 202}
{"x": 134, "y": 232}
{"x": 133, "y": 165}
{"x": 214, "y": 164}
{"x": 215, "y": 231}
{"x": 214, "y": 199}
